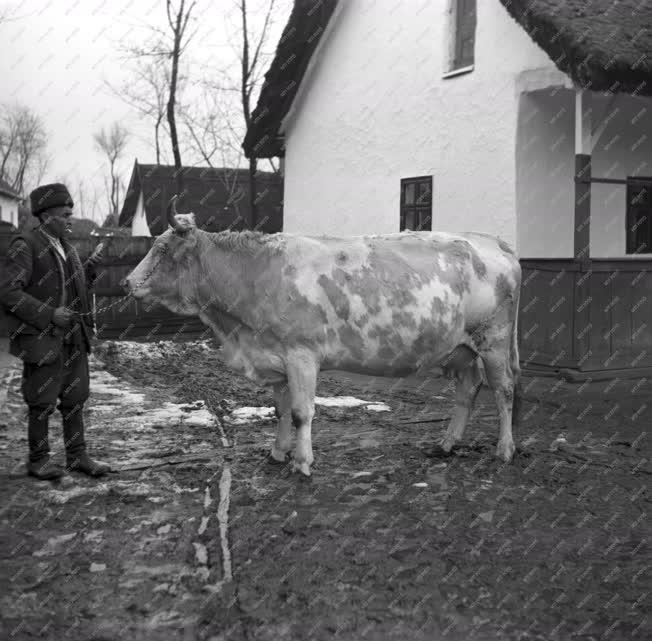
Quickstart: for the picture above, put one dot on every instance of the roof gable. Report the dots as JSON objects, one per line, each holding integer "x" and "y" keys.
{"x": 298, "y": 42}
{"x": 219, "y": 197}
{"x": 7, "y": 190}
{"x": 603, "y": 45}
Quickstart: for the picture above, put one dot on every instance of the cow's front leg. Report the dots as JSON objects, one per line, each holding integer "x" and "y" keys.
{"x": 283, "y": 443}
{"x": 302, "y": 373}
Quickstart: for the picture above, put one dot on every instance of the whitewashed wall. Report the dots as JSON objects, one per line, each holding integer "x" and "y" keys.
{"x": 9, "y": 210}
{"x": 139, "y": 226}
{"x": 545, "y": 170}
{"x": 375, "y": 109}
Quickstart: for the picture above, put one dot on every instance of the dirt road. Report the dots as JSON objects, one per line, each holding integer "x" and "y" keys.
{"x": 196, "y": 536}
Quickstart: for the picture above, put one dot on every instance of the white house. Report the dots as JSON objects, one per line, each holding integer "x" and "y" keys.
{"x": 9, "y": 201}
{"x": 527, "y": 119}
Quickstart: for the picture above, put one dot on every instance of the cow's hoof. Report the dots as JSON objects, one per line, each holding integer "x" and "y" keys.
{"x": 437, "y": 451}
{"x": 272, "y": 460}
{"x": 505, "y": 451}
{"x": 301, "y": 469}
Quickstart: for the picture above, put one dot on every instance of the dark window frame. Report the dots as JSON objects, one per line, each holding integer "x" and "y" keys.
{"x": 638, "y": 218}
{"x": 420, "y": 210}
{"x": 464, "y": 34}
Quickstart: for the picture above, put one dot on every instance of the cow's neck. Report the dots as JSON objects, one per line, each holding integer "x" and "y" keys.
{"x": 229, "y": 263}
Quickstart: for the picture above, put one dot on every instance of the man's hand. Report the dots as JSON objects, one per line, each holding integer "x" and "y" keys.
{"x": 63, "y": 316}
{"x": 97, "y": 254}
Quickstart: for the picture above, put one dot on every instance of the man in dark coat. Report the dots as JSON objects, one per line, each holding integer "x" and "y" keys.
{"x": 44, "y": 289}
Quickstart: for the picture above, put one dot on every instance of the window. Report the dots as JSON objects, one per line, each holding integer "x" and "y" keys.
{"x": 639, "y": 216}
{"x": 416, "y": 203}
{"x": 464, "y": 20}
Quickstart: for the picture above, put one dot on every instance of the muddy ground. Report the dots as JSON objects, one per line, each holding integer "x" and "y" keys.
{"x": 196, "y": 536}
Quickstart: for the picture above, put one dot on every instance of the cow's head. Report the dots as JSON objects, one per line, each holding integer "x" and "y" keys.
{"x": 170, "y": 271}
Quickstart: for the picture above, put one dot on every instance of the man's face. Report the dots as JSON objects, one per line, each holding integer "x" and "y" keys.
{"x": 57, "y": 221}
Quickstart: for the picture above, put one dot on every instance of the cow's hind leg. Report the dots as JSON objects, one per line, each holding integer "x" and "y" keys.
{"x": 467, "y": 385}
{"x": 302, "y": 373}
{"x": 283, "y": 443}
{"x": 500, "y": 378}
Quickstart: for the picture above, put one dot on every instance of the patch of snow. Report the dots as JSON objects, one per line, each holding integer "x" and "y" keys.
{"x": 203, "y": 525}
{"x": 53, "y": 543}
{"x": 94, "y": 536}
{"x": 339, "y": 401}
{"x": 98, "y": 567}
{"x": 244, "y": 415}
{"x": 378, "y": 407}
{"x": 126, "y": 488}
{"x": 419, "y": 485}
{"x": 350, "y": 401}
{"x": 487, "y": 517}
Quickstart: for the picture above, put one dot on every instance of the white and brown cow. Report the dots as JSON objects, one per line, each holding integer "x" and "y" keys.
{"x": 285, "y": 307}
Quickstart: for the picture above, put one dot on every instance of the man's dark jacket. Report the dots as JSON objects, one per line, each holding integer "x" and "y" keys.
{"x": 32, "y": 286}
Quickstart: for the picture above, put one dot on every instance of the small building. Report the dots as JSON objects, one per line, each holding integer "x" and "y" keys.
{"x": 9, "y": 201}
{"x": 527, "y": 119}
{"x": 219, "y": 198}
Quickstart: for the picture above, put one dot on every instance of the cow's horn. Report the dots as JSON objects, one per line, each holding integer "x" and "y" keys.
{"x": 172, "y": 212}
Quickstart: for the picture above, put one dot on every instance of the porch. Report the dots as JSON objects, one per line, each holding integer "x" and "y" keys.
{"x": 584, "y": 229}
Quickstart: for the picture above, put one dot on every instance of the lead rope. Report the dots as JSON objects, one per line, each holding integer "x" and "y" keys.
{"x": 126, "y": 296}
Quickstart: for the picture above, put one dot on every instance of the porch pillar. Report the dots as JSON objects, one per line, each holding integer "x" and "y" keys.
{"x": 583, "y": 146}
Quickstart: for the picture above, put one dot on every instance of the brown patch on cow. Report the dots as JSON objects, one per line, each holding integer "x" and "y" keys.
{"x": 438, "y": 307}
{"x": 504, "y": 290}
{"x": 404, "y": 319}
{"x": 362, "y": 321}
{"x": 336, "y": 295}
{"x": 479, "y": 267}
{"x": 390, "y": 342}
{"x": 457, "y": 256}
{"x": 352, "y": 341}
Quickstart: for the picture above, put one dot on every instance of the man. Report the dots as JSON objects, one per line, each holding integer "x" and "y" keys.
{"x": 44, "y": 289}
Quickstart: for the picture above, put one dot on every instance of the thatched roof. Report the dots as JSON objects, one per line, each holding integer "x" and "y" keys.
{"x": 219, "y": 197}
{"x": 603, "y": 45}
{"x": 295, "y": 48}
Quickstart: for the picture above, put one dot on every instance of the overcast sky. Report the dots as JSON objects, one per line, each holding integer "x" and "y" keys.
{"x": 57, "y": 55}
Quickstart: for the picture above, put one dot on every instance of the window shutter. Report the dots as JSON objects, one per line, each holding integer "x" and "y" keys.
{"x": 465, "y": 33}
{"x": 639, "y": 218}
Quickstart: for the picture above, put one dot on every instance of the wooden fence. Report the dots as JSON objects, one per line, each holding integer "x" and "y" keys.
{"x": 119, "y": 316}
{"x": 592, "y": 318}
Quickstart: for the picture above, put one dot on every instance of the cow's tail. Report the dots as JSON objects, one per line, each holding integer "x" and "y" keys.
{"x": 514, "y": 360}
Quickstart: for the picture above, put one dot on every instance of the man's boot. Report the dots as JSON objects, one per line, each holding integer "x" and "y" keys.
{"x": 77, "y": 459}
{"x": 40, "y": 465}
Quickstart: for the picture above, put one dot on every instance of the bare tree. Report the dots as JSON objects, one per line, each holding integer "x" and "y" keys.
{"x": 147, "y": 91}
{"x": 112, "y": 143}
{"x": 218, "y": 121}
{"x": 23, "y": 144}
{"x": 178, "y": 25}
{"x": 168, "y": 46}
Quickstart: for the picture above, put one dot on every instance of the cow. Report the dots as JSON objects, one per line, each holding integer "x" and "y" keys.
{"x": 284, "y": 307}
